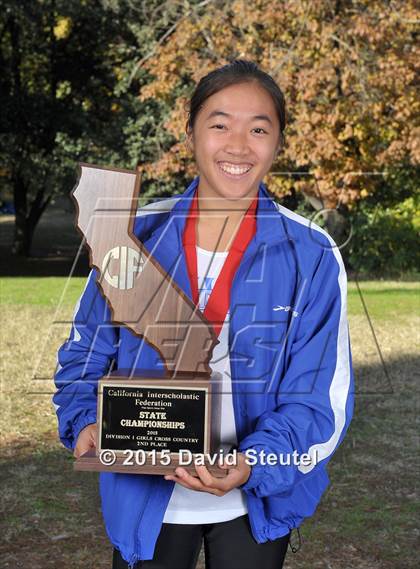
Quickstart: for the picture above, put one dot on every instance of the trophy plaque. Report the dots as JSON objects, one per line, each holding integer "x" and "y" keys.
{"x": 149, "y": 421}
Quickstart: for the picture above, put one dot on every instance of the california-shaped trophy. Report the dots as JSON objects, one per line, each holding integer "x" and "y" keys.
{"x": 148, "y": 420}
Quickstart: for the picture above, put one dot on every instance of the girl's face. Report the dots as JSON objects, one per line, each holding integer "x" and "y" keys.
{"x": 235, "y": 140}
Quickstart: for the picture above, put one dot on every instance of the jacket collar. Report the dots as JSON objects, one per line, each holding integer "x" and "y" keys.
{"x": 165, "y": 243}
{"x": 270, "y": 229}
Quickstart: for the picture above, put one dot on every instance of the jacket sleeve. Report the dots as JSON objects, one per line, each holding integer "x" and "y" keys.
{"x": 315, "y": 397}
{"x": 81, "y": 361}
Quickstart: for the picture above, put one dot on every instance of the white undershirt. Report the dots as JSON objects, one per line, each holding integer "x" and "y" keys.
{"x": 188, "y": 506}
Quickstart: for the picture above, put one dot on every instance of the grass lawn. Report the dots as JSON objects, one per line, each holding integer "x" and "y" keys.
{"x": 367, "y": 518}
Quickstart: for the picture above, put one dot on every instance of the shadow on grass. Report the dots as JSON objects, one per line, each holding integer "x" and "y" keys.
{"x": 366, "y": 519}
{"x": 51, "y": 266}
{"x": 55, "y": 246}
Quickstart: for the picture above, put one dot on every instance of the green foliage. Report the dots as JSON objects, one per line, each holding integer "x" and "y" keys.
{"x": 385, "y": 239}
{"x": 69, "y": 93}
{"x": 58, "y": 89}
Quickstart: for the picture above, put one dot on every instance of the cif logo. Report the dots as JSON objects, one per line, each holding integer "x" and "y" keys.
{"x": 130, "y": 264}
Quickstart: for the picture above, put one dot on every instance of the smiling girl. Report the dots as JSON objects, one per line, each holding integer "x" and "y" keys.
{"x": 274, "y": 287}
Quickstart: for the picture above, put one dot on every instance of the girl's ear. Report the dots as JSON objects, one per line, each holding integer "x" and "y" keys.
{"x": 189, "y": 141}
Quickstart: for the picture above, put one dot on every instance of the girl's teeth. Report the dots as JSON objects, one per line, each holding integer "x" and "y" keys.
{"x": 234, "y": 169}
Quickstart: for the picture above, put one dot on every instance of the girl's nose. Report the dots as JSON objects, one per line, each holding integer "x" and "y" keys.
{"x": 237, "y": 144}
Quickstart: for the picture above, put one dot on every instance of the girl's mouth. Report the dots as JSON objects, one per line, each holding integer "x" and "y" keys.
{"x": 234, "y": 171}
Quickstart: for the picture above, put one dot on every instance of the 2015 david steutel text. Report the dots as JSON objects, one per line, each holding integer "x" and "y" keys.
{"x": 185, "y": 457}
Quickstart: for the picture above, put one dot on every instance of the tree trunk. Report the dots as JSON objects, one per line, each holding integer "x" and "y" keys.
{"x": 26, "y": 221}
{"x": 21, "y": 243}
{"x": 23, "y": 238}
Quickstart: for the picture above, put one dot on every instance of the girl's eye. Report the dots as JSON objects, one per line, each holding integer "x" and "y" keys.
{"x": 222, "y": 126}
{"x": 261, "y": 129}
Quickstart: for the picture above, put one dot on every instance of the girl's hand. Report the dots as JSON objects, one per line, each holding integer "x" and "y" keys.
{"x": 85, "y": 441}
{"x": 205, "y": 482}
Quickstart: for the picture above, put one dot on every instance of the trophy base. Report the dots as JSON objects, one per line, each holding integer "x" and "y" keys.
{"x": 90, "y": 461}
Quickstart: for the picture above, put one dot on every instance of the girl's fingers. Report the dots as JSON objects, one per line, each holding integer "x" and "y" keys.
{"x": 219, "y": 486}
{"x": 183, "y": 478}
{"x": 205, "y": 476}
{"x": 205, "y": 481}
{"x": 197, "y": 488}
{"x": 179, "y": 481}
{"x": 192, "y": 481}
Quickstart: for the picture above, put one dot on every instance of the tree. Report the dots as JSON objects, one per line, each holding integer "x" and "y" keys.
{"x": 348, "y": 71}
{"x": 62, "y": 62}
{"x": 108, "y": 82}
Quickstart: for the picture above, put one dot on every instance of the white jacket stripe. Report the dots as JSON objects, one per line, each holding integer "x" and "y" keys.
{"x": 340, "y": 384}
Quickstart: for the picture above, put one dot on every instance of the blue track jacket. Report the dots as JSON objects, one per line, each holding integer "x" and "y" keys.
{"x": 292, "y": 376}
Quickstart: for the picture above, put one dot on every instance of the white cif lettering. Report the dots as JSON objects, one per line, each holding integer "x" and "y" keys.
{"x": 131, "y": 264}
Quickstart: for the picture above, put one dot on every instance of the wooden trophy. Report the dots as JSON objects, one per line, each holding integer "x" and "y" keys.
{"x": 148, "y": 421}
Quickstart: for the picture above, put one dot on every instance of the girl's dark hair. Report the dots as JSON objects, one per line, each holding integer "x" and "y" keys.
{"x": 238, "y": 71}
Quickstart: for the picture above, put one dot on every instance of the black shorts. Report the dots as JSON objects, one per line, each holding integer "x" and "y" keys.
{"x": 227, "y": 545}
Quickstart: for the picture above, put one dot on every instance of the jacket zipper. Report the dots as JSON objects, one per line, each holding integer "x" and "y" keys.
{"x": 136, "y": 531}
{"x": 237, "y": 411}
{"x": 259, "y": 533}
